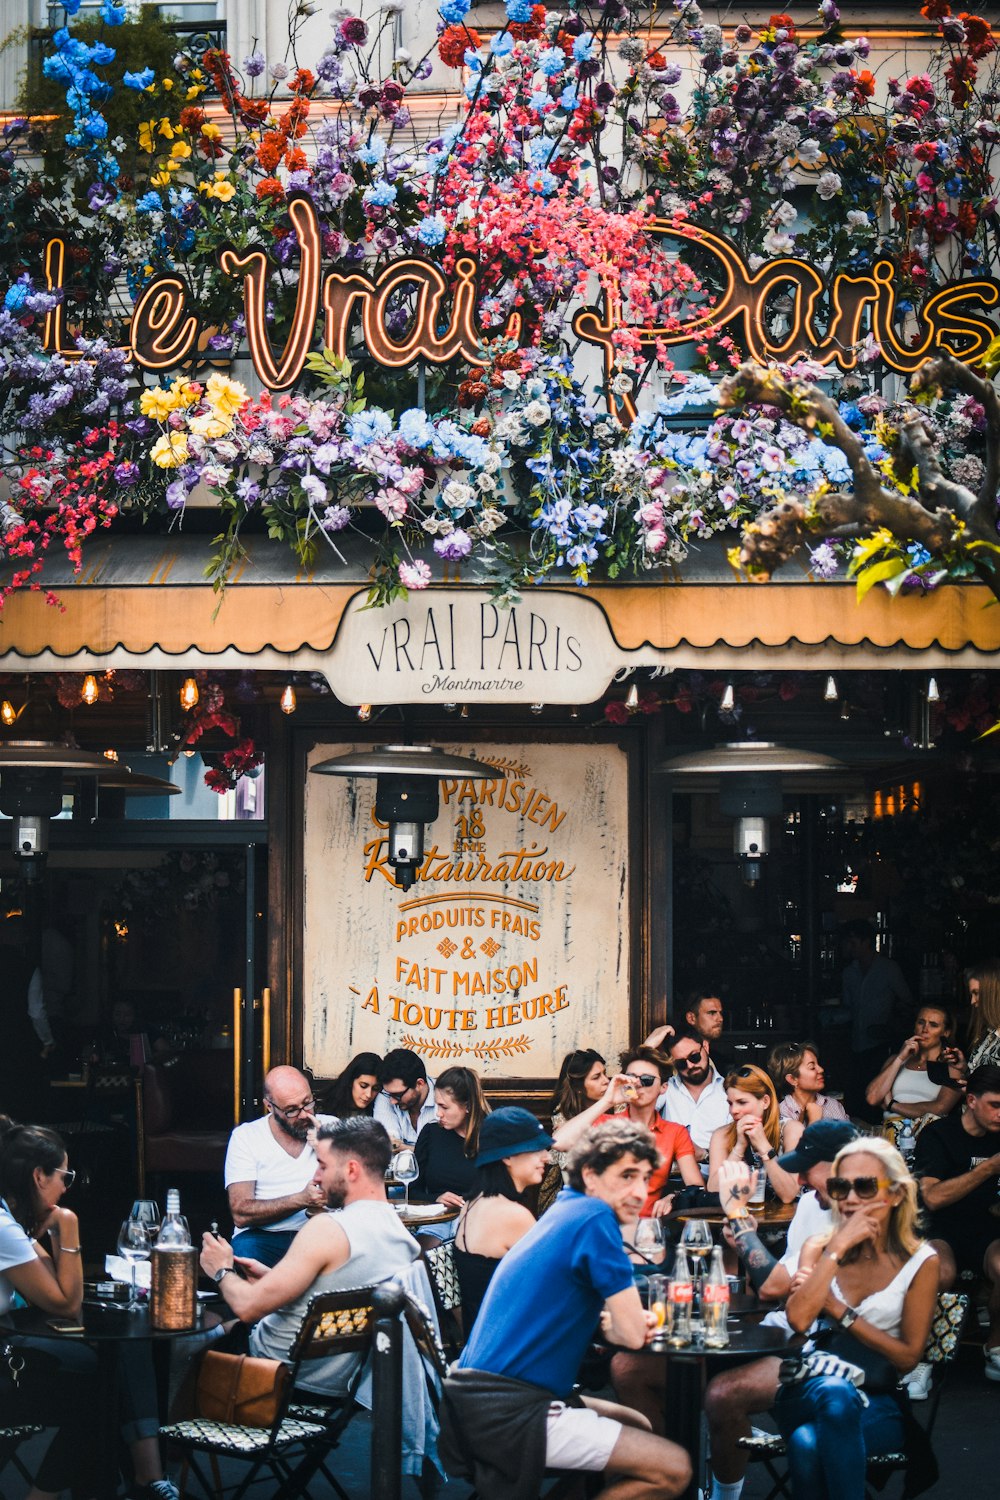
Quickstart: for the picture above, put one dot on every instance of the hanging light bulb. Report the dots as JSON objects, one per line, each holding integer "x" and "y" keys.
{"x": 288, "y": 702}
{"x": 364, "y": 712}
{"x": 8, "y": 713}
{"x": 845, "y": 709}
{"x": 632, "y": 701}
{"x": 464, "y": 711}
{"x": 574, "y": 712}
{"x": 111, "y": 755}
{"x": 830, "y": 694}
{"x": 188, "y": 754}
{"x": 728, "y": 700}
{"x": 88, "y": 692}
{"x": 189, "y": 694}
{"x": 933, "y": 691}
{"x": 537, "y": 708}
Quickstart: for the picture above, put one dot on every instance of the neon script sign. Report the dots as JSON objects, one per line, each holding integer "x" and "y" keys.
{"x": 165, "y": 331}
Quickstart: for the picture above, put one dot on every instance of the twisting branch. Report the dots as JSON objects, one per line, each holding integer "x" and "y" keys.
{"x": 935, "y": 516}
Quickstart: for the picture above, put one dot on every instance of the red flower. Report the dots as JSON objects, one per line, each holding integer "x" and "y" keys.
{"x": 302, "y": 81}
{"x": 935, "y": 10}
{"x": 782, "y": 23}
{"x": 454, "y": 43}
{"x": 979, "y": 34}
{"x": 615, "y": 712}
{"x": 270, "y": 187}
{"x": 526, "y": 31}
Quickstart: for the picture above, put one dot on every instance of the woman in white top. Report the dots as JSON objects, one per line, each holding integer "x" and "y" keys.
{"x": 903, "y": 1087}
{"x": 56, "y": 1386}
{"x": 876, "y": 1281}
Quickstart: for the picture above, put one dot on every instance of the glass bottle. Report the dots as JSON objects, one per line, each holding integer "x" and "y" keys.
{"x": 715, "y": 1303}
{"x": 680, "y": 1296}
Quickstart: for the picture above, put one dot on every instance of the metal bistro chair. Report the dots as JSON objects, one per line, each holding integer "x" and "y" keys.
{"x": 295, "y": 1447}
{"x": 440, "y": 1262}
{"x": 11, "y": 1439}
{"x": 942, "y": 1346}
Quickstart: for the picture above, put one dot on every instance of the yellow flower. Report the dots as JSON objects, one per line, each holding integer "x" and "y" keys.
{"x": 166, "y": 129}
{"x": 158, "y": 403}
{"x": 212, "y": 132}
{"x": 160, "y": 179}
{"x": 167, "y": 83}
{"x": 146, "y": 136}
{"x": 193, "y": 92}
{"x": 180, "y": 150}
{"x": 214, "y": 424}
{"x": 184, "y": 392}
{"x": 170, "y": 450}
{"x": 223, "y": 395}
{"x": 224, "y": 191}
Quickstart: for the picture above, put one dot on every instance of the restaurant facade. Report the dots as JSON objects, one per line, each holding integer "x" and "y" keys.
{"x": 580, "y": 887}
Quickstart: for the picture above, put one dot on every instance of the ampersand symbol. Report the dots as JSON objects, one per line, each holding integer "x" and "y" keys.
{"x": 468, "y": 949}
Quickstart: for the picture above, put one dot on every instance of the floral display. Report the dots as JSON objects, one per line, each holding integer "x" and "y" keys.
{"x": 594, "y": 152}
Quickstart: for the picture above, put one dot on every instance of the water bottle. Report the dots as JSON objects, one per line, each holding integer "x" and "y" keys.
{"x": 715, "y": 1303}
{"x": 680, "y": 1297}
{"x": 906, "y": 1142}
{"x": 173, "y": 1301}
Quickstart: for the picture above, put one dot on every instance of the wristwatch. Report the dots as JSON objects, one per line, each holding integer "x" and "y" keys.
{"x": 769, "y": 1155}
{"x": 222, "y": 1271}
{"x": 848, "y": 1318}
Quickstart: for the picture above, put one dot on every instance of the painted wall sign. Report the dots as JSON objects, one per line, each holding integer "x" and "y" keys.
{"x": 457, "y": 646}
{"x": 511, "y": 948}
{"x": 164, "y": 329}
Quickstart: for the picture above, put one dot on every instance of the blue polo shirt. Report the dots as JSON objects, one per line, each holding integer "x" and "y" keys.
{"x": 543, "y": 1304}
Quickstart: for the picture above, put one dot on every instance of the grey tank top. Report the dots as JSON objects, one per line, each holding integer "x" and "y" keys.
{"x": 380, "y": 1249}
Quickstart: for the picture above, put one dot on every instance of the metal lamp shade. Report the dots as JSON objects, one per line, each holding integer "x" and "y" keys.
{"x": 402, "y": 760}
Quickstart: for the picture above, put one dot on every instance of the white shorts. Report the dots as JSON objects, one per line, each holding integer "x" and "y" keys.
{"x": 577, "y": 1437}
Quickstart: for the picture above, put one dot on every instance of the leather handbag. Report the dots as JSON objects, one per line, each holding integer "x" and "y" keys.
{"x": 240, "y": 1389}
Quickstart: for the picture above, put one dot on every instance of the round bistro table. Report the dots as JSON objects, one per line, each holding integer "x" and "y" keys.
{"x": 106, "y": 1326}
{"x": 689, "y": 1369}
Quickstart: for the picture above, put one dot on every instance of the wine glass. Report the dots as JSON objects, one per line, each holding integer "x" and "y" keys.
{"x": 134, "y": 1245}
{"x": 648, "y": 1240}
{"x": 696, "y": 1239}
{"x": 147, "y": 1211}
{"x": 407, "y": 1171}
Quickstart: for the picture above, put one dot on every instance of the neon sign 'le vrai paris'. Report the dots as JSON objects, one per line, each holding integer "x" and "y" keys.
{"x": 165, "y": 331}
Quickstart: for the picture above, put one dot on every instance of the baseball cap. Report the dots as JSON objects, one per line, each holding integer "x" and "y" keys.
{"x": 510, "y": 1131}
{"x": 818, "y": 1142}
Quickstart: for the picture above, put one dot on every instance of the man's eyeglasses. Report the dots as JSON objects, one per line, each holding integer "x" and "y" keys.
{"x": 398, "y": 1097}
{"x": 644, "y": 1080}
{"x": 294, "y": 1110}
{"x": 67, "y": 1174}
{"x": 690, "y": 1059}
{"x": 865, "y": 1188}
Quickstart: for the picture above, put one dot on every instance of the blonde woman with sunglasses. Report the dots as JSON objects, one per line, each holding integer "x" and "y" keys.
{"x": 873, "y": 1284}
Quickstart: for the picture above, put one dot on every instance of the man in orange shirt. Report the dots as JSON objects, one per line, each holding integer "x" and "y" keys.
{"x": 643, "y": 1078}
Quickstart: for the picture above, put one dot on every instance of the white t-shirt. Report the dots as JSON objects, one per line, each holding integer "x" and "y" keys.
{"x": 809, "y": 1219}
{"x": 698, "y": 1116}
{"x": 16, "y": 1249}
{"x": 255, "y": 1156}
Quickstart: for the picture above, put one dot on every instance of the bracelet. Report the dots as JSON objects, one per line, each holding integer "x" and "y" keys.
{"x": 70, "y": 1250}
{"x": 833, "y": 1256}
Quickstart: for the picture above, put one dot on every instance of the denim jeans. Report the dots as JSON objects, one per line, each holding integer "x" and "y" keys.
{"x": 830, "y": 1432}
{"x": 265, "y": 1245}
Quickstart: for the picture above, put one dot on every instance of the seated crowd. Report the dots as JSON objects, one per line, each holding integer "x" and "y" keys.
{"x": 541, "y": 1227}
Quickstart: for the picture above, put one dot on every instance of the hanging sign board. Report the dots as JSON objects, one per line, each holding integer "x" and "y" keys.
{"x": 512, "y": 946}
{"x": 458, "y": 646}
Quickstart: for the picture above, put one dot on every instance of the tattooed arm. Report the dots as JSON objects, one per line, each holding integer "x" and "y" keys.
{"x": 768, "y": 1277}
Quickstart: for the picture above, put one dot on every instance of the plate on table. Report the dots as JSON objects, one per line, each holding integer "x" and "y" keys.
{"x": 420, "y": 1211}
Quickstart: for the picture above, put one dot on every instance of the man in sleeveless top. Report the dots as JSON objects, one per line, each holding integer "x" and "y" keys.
{"x": 359, "y": 1242}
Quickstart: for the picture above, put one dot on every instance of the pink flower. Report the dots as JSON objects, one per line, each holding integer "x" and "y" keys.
{"x": 655, "y": 540}
{"x": 414, "y": 575}
{"x": 392, "y": 504}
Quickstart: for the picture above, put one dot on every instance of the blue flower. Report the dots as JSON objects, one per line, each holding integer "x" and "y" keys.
{"x": 568, "y": 98}
{"x": 366, "y": 427}
{"x": 502, "y": 44}
{"x": 432, "y": 230}
{"x": 372, "y": 151}
{"x": 455, "y": 11}
{"x": 139, "y": 81}
{"x": 101, "y": 54}
{"x": 519, "y": 11}
{"x": 58, "y": 69}
{"x": 149, "y": 203}
{"x": 17, "y": 295}
{"x": 542, "y": 182}
{"x": 381, "y": 194}
{"x": 95, "y": 126}
{"x": 415, "y": 428}
{"x": 583, "y": 46}
{"x": 552, "y": 61}
{"x": 112, "y": 15}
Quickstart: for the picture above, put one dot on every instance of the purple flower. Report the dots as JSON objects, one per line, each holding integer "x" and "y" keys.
{"x": 353, "y": 32}
{"x": 335, "y": 518}
{"x": 127, "y": 474}
{"x": 453, "y": 547}
{"x": 254, "y": 65}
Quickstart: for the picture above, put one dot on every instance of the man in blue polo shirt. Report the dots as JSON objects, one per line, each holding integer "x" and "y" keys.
{"x": 505, "y": 1414}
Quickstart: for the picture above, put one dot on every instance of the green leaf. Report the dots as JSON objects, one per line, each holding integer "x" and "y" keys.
{"x": 878, "y": 573}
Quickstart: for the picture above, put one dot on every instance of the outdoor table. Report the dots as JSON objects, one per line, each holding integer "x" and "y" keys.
{"x": 773, "y": 1212}
{"x": 105, "y": 1327}
{"x": 426, "y": 1215}
{"x": 689, "y": 1369}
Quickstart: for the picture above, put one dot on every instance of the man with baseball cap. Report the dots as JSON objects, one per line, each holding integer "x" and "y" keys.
{"x": 508, "y": 1411}
{"x": 732, "y": 1398}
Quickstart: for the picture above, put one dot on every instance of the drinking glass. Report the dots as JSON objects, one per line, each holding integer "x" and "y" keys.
{"x": 696, "y": 1239}
{"x": 147, "y": 1211}
{"x": 134, "y": 1245}
{"x": 648, "y": 1240}
{"x": 407, "y": 1171}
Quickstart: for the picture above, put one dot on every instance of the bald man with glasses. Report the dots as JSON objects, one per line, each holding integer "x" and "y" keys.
{"x": 270, "y": 1166}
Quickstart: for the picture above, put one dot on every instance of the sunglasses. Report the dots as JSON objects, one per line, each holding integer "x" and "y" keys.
{"x": 645, "y": 1080}
{"x": 689, "y": 1060}
{"x": 865, "y": 1188}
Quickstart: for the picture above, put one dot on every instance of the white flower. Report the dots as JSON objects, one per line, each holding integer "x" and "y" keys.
{"x": 776, "y": 243}
{"x": 809, "y": 152}
{"x": 784, "y": 212}
{"x": 858, "y": 219}
{"x": 216, "y": 475}
{"x": 458, "y": 496}
{"x": 226, "y": 449}
{"x": 829, "y": 185}
{"x": 260, "y": 454}
{"x": 537, "y": 413}
{"x": 511, "y": 380}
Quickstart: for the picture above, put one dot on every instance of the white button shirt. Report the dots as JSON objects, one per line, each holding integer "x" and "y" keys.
{"x": 699, "y": 1116}
{"x": 397, "y": 1120}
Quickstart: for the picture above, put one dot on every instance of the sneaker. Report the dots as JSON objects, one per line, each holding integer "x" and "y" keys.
{"x": 918, "y": 1382}
{"x": 992, "y": 1371}
{"x": 157, "y": 1489}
